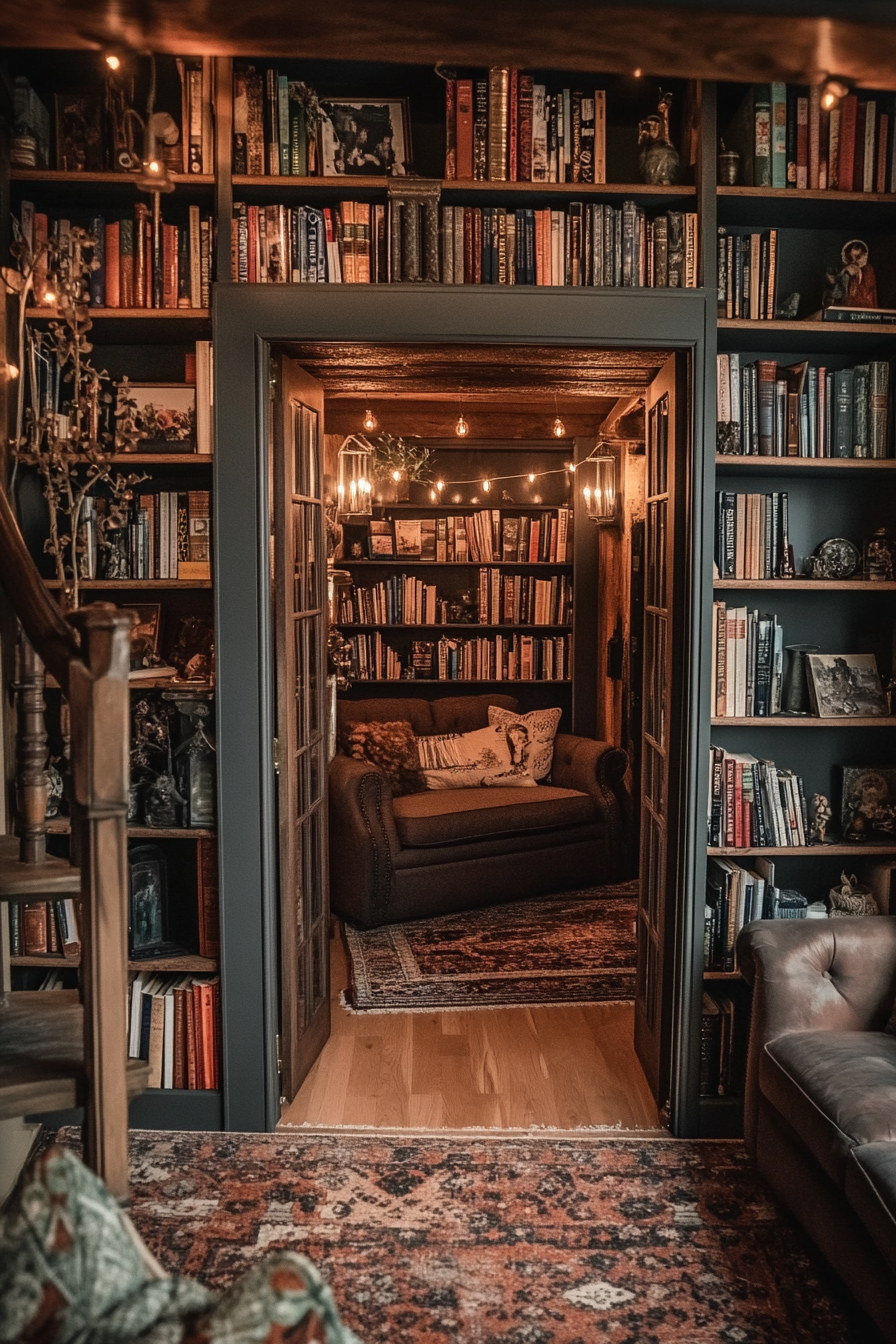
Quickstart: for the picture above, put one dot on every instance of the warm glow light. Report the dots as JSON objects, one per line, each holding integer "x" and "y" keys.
{"x": 461, "y": 429}
{"x": 832, "y": 90}
{"x": 440, "y": 486}
{"x": 113, "y": 61}
{"x": 49, "y": 297}
{"x": 432, "y": 495}
{"x": 369, "y": 421}
{"x": 12, "y": 371}
{"x": 828, "y": 101}
{"x": 396, "y": 475}
{"x": 531, "y": 477}
{"x": 558, "y": 429}
{"x": 486, "y": 485}
{"x": 153, "y": 166}
{"x": 637, "y": 73}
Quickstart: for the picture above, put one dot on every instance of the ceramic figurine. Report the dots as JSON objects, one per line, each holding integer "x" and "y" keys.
{"x": 855, "y": 284}
{"x": 160, "y": 802}
{"x": 851, "y": 898}
{"x": 658, "y": 160}
{"x": 821, "y": 813}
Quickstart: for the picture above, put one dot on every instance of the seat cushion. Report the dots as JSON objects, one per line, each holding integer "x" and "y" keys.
{"x": 447, "y": 817}
{"x": 837, "y": 1089}
{"x": 871, "y": 1190}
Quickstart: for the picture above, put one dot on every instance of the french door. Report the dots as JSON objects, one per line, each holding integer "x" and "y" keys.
{"x": 298, "y": 574}
{"x": 663, "y": 809}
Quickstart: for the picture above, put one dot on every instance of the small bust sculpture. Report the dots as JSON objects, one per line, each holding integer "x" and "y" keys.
{"x": 820, "y": 813}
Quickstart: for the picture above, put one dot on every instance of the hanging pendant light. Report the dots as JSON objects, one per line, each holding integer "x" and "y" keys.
{"x": 558, "y": 429}
{"x": 461, "y": 428}
{"x": 370, "y": 421}
{"x": 353, "y": 487}
{"x": 596, "y": 485}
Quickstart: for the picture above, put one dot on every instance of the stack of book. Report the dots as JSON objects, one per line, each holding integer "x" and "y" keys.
{"x": 478, "y": 538}
{"x": 720, "y": 1070}
{"x": 734, "y": 897}
{"x": 803, "y": 410}
{"x": 44, "y": 928}
{"x": 169, "y": 537}
{"x": 270, "y": 133}
{"x": 751, "y": 536}
{"x": 357, "y": 242}
{"x": 495, "y": 658}
{"x": 754, "y": 804}
{"x": 175, "y": 1025}
{"x": 137, "y": 266}
{"x": 748, "y": 275}
{"x": 747, "y": 664}
{"x": 504, "y": 599}
{"x": 787, "y": 139}
{"x": 503, "y": 127}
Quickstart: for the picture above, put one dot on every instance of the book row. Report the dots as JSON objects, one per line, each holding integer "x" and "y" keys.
{"x": 135, "y": 263}
{"x": 720, "y": 1051}
{"x": 786, "y": 137}
{"x": 748, "y": 266}
{"x": 735, "y": 896}
{"x": 408, "y": 240}
{"x": 478, "y": 538}
{"x": 167, "y": 535}
{"x": 503, "y": 599}
{"x": 95, "y": 132}
{"x": 504, "y": 127}
{"x": 747, "y": 662}
{"x": 496, "y": 658}
{"x": 175, "y": 1025}
{"x": 751, "y": 539}
{"x": 752, "y": 803}
{"x": 44, "y": 928}
{"x": 802, "y": 410}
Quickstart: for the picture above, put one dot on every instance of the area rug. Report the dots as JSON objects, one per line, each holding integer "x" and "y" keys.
{"x": 496, "y": 1240}
{"x": 578, "y": 947}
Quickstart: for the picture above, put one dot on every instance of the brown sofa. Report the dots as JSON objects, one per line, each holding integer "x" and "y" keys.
{"x": 821, "y": 1090}
{"x": 435, "y": 852}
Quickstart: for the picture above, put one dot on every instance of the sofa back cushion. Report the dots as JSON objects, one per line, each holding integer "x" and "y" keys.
{"x": 416, "y": 712}
{"x": 465, "y": 713}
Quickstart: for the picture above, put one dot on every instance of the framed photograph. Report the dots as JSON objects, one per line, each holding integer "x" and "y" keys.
{"x": 381, "y": 543}
{"x": 408, "y": 538}
{"x": 145, "y": 635}
{"x": 845, "y": 685}
{"x": 364, "y": 137}
{"x": 156, "y": 418}
{"x": 147, "y": 901}
{"x": 867, "y": 801}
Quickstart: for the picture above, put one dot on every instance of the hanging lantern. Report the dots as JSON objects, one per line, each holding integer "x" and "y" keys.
{"x": 354, "y": 472}
{"x": 595, "y": 480}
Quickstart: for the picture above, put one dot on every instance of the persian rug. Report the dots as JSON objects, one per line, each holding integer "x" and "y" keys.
{"x": 515, "y": 1239}
{"x": 578, "y": 947}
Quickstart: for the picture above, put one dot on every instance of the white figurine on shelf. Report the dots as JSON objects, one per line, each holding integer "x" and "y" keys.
{"x": 820, "y": 812}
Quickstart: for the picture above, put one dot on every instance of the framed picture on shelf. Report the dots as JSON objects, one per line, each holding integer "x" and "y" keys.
{"x": 867, "y": 801}
{"x": 382, "y": 546}
{"x": 364, "y": 137}
{"x": 156, "y": 418}
{"x": 145, "y": 635}
{"x": 845, "y": 685}
{"x": 408, "y": 538}
{"x": 147, "y": 901}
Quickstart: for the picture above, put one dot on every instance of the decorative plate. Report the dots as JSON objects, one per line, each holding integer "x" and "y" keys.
{"x": 838, "y": 558}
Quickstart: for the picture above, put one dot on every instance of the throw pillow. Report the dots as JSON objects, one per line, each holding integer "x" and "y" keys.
{"x": 540, "y": 729}
{"x": 391, "y": 747}
{"x": 470, "y": 760}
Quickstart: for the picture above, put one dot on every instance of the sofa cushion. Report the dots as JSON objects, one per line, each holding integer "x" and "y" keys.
{"x": 837, "y": 1089}
{"x": 467, "y": 760}
{"x": 391, "y": 747}
{"x": 458, "y": 815}
{"x": 871, "y": 1190}
{"x": 537, "y": 731}
{"x": 463, "y": 713}
{"x": 416, "y": 712}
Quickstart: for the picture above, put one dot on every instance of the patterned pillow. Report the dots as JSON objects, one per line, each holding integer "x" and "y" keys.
{"x": 391, "y": 747}
{"x": 541, "y": 729}
{"x": 484, "y": 758}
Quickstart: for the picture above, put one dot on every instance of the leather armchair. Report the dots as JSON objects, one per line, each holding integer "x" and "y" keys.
{"x": 393, "y": 859}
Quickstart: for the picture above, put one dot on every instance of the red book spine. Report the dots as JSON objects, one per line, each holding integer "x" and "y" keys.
{"x": 847, "y": 147}
{"x": 883, "y": 129}
{"x": 180, "y": 1038}
{"x": 464, "y": 133}
{"x": 524, "y": 130}
{"x": 209, "y": 1050}
{"x": 730, "y": 802}
{"x": 468, "y": 245}
{"x": 190, "y": 1038}
{"x": 450, "y": 129}
{"x": 802, "y": 143}
{"x": 113, "y": 266}
{"x": 513, "y": 126}
{"x": 196, "y": 997}
{"x": 207, "y": 882}
{"x": 858, "y": 167}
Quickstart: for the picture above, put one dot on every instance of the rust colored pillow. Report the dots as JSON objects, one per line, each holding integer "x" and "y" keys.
{"x": 391, "y": 747}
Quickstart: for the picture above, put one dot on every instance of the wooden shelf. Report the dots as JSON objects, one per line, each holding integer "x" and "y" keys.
{"x": 453, "y": 564}
{"x": 50, "y": 880}
{"x": 722, "y": 975}
{"x": 52, "y": 177}
{"x": 806, "y": 721}
{"x": 452, "y": 509}
{"x": 806, "y": 851}
{"x": 147, "y": 314}
{"x": 417, "y": 683}
{"x": 809, "y": 194}
{"x": 42, "y": 1054}
{"x": 834, "y": 329}
{"x": 469, "y": 627}
{"x": 126, "y": 585}
{"x": 347, "y": 185}
{"x": 163, "y": 459}
{"x": 810, "y": 585}
{"x": 184, "y": 963}
{"x": 733, "y": 463}
{"x": 62, "y": 826}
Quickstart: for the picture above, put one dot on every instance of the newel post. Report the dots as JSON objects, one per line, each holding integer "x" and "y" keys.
{"x": 98, "y": 700}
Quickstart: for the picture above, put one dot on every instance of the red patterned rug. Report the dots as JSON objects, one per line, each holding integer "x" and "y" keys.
{"x": 427, "y": 1239}
{"x": 578, "y": 947}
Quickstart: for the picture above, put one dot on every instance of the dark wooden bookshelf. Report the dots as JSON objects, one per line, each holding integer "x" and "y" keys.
{"x": 457, "y": 629}
{"x": 722, "y": 975}
{"x": 730, "y": 464}
{"x": 346, "y": 186}
{"x": 837, "y": 330}
{"x": 809, "y": 721}
{"x": 129, "y": 314}
{"x": 418, "y": 682}
{"x": 805, "y": 851}
{"x": 811, "y": 585}
{"x": 808, "y": 194}
{"x": 186, "y": 963}
{"x": 62, "y": 826}
{"x": 408, "y": 561}
{"x": 53, "y": 177}
{"x": 125, "y": 585}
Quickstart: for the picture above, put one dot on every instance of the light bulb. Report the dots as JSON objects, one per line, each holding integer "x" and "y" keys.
{"x": 432, "y": 495}
{"x": 49, "y": 297}
{"x": 461, "y": 429}
{"x": 531, "y": 477}
{"x": 486, "y": 485}
{"x": 12, "y": 371}
{"x": 369, "y": 421}
{"x": 113, "y": 61}
{"x": 558, "y": 429}
{"x": 440, "y": 486}
{"x": 637, "y": 73}
{"x": 396, "y": 475}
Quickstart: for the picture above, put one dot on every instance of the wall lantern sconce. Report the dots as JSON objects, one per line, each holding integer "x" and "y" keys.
{"x": 595, "y": 483}
{"x": 353, "y": 483}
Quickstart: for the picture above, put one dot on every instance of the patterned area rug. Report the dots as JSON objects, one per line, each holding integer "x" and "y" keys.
{"x": 578, "y": 947}
{"x": 508, "y": 1240}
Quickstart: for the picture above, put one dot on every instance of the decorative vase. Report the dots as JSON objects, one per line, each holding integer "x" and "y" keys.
{"x": 795, "y": 691}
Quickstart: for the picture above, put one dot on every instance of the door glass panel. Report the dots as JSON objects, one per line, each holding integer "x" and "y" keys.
{"x": 306, "y": 549}
{"x": 306, "y": 467}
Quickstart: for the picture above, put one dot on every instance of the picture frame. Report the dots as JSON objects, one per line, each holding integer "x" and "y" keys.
{"x": 155, "y": 418}
{"x": 408, "y": 538}
{"x": 867, "y": 801}
{"x": 381, "y": 540}
{"x": 147, "y": 902}
{"x": 364, "y": 137}
{"x": 145, "y": 634}
{"x": 845, "y": 685}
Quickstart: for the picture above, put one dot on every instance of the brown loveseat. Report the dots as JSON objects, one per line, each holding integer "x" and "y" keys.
{"x": 821, "y": 1090}
{"x": 438, "y": 851}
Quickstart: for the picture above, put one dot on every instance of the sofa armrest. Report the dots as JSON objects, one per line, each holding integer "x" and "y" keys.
{"x": 814, "y": 975}
{"x": 363, "y": 839}
{"x": 598, "y": 769}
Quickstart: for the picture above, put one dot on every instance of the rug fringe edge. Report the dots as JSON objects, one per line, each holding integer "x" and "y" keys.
{"x": 480, "y": 1007}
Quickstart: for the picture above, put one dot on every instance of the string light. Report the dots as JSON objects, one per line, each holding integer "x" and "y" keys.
{"x": 370, "y": 421}
{"x": 396, "y": 475}
{"x": 49, "y": 298}
{"x": 486, "y": 485}
{"x": 113, "y": 61}
{"x": 531, "y": 477}
{"x": 637, "y": 73}
{"x": 440, "y": 486}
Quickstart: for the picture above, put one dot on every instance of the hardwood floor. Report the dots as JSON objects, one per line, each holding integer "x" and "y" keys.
{"x": 514, "y": 1067}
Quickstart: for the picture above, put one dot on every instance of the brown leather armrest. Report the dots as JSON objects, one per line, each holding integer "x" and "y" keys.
{"x": 363, "y": 839}
{"x": 596, "y": 768}
{"x": 814, "y": 975}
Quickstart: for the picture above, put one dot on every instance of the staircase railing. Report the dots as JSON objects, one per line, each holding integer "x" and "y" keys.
{"x": 87, "y": 653}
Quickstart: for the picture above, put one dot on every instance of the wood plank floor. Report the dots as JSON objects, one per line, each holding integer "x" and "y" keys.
{"x": 514, "y": 1067}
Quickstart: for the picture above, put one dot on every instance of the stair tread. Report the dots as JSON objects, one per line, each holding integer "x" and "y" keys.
{"x": 34, "y": 881}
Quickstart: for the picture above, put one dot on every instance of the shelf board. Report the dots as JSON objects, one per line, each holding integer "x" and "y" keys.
{"x": 126, "y": 585}
{"x": 733, "y": 463}
{"x": 62, "y": 826}
{"x": 815, "y": 328}
{"x": 469, "y": 627}
{"x": 453, "y": 564}
{"x": 809, "y": 585}
{"x": 50, "y": 880}
{"x": 163, "y": 459}
{"x": 453, "y": 509}
{"x": 417, "y": 683}
{"x": 51, "y": 177}
{"x": 145, "y": 314}
{"x": 722, "y": 975}
{"x": 348, "y": 185}
{"x": 809, "y": 194}
{"x": 806, "y": 851}
{"x": 185, "y": 963}
{"x": 806, "y": 721}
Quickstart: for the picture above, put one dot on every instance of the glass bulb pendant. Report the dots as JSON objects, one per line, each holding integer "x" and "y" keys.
{"x": 370, "y": 421}
{"x": 461, "y": 429}
{"x": 558, "y": 429}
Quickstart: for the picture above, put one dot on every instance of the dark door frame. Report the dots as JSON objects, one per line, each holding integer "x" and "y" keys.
{"x": 248, "y": 320}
